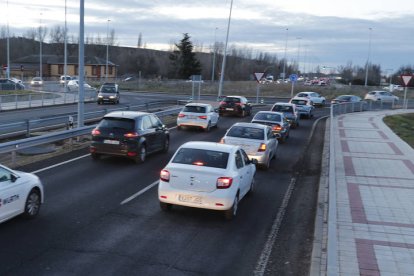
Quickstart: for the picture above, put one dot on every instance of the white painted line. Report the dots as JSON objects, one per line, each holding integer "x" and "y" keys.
{"x": 140, "y": 192}
{"x": 62, "y": 163}
{"x": 267, "y": 250}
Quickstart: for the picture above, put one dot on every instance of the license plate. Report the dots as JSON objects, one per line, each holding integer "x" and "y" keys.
{"x": 191, "y": 117}
{"x": 191, "y": 199}
{"x": 229, "y": 109}
{"x": 112, "y": 142}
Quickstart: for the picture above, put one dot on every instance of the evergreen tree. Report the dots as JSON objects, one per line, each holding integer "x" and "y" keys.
{"x": 183, "y": 60}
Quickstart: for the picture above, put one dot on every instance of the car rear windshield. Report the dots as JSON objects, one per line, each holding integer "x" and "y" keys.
{"x": 267, "y": 117}
{"x": 201, "y": 157}
{"x": 282, "y": 108}
{"x": 195, "y": 109}
{"x": 344, "y": 98}
{"x": 299, "y": 102}
{"x": 231, "y": 100}
{"x": 117, "y": 123}
{"x": 246, "y": 132}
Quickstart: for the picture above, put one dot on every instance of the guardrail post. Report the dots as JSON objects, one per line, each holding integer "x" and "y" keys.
{"x": 13, "y": 156}
{"x": 27, "y": 128}
{"x": 54, "y": 98}
{"x": 15, "y": 100}
{"x": 42, "y": 98}
{"x": 147, "y": 106}
{"x": 1, "y": 97}
{"x": 30, "y": 100}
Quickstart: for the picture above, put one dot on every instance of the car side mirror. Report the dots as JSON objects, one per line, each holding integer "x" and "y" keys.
{"x": 216, "y": 110}
{"x": 253, "y": 161}
{"x": 13, "y": 178}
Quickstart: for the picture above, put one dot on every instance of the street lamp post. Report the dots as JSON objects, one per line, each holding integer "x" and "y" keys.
{"x": 284, "y": 58}
{"x": 107, "y": 50}
{"x": 214, "y": 55}
{"x": 298, "y": 38}
{"x": 8, "y": 43}
{"x": 223, "y": 65}
{"x": 40, "y": 47}
{"x": 369, "y": 54}
{"x": 65, "y": 70}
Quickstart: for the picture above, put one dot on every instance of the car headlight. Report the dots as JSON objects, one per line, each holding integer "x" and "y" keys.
{"x": 111, "y": 97}
{"x": 100, "y": 96}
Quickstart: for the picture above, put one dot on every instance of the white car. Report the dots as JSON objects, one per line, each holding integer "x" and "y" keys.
{"x": 382, "y": 96}
{"x": 20, "y": 193}
{"x": 303, "y": 106}
{"x": 36, "y": 81}
{"x": 73, "y": 85}
{"x": 257, "y": 140}
{"x": 198, "y": 115}
{"x": 315, "y": 98}
{"x": 64, "y": 79}
{"x": 207, "y": 175}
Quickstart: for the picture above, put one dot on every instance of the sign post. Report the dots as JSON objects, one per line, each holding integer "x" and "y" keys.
{"x": 258, "y": 77}
{"x": 293, "y": 78}
{"x": 406, "y": 79}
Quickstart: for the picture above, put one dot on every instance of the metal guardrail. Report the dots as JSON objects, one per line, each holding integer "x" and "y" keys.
{"x": 14, "y": 146}
{"x": 27, "y": 126}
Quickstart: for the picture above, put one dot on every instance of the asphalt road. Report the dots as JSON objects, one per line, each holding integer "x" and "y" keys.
{"x": 84, "y": 227}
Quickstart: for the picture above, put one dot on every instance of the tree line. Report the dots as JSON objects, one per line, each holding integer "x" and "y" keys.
{"x": 182, "y": 60}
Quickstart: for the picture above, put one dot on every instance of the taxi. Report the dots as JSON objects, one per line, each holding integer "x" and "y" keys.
{"x": 20, "y": 193}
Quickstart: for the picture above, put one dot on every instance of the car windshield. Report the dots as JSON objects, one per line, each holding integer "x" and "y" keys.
{"x": 201, "y": 157}
{"x": 344, "y": 98}
{"x": 299, "y": 102}
{"x": 246, "y": 132}
{"x": 108, "y": 89}
{"x": 268, "y": 117}
{"x": 119, "y": 123}
{"x": 304, "y": 95}
{"x": 195, "y": 109}
{"x": 283, "y": 108}
{"x": 231, "y": 99}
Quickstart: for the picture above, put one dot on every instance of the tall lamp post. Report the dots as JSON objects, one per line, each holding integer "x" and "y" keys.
{"x": 40, "y": 47}
{"x": 107, "y": 50}
{"x": 298, "y": 38}
{"x": 214, "y": 55}
{"x": 284, "y": 58}
{"x": 8, "y": 43}
{"x": 65, "y": 70}
{"x": 223, "y": 65}
{"x": 369, "y": 54}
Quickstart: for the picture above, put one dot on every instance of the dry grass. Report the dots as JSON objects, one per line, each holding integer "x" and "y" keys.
{"x": 403, "y": 126}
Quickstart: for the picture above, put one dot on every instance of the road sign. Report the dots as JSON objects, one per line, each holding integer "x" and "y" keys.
{"x": 293, "y": 77}
{"x": 258, "y": 76}
{"x": 406, "y": 79}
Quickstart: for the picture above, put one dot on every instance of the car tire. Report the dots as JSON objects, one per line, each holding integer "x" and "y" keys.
{"x": 232, "y": 212}
{"x": 142, "y": 154}
{"x": 95, "y": 156}
{"x": 266, "y": 166}
{"x": 165, "y": 206}
{"x": 208, "y": 128}
{"x": 32, "y": 205}
{"x": 243, "y": 113}
{"x": 166, "y": 145}
{"x": 179, "y": 128}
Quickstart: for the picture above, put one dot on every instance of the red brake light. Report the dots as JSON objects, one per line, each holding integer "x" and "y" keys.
{"x": 222, "y": 141}
{"x": 277, "y": 128}
{"x": 131, "y": 135}
{"x": 204, "y": 117}
{"x": 222, "y": 103}
{"x": 240, "y": 104}
{"x": 224, "y": 182}
{"x": 262, "y": 147}
{"x": 96, "y": 132}
{"x": 198, "y": 163}
{"x": 180, "y": 115}
{"x": 165, "y": 176}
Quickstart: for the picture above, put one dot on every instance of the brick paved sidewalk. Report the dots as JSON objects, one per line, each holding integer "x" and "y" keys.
{"x": 374, "y": 178}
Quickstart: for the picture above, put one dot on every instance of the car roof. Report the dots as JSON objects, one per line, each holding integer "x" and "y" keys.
{"x": 300, "y": 98}
{"x": 271, "y": 112}
{"x": 125, "y": 114}
{"x": 197, "y": 104}
{"x": 210, "y": 146}
{"x": 280, "y": 103}
{"x": 305, "y": 92}
{"x": 242, "y": 124}
{"x": 234, "y": 96}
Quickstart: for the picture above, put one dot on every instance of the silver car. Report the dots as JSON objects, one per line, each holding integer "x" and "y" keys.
{"x": 304, "y": 106}
{"x": 257, "y": 140}
{"x": 199, "y": 115}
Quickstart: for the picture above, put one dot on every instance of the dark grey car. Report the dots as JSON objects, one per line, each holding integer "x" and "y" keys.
{"x": 129, "y": 134}
{"x": 108, "y": 93}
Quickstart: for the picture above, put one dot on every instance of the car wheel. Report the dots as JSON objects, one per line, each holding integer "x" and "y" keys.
{"x": 179, "y": 128}
{"x": 166, "y": 145}
{"x": 32, "y": 206}
{"x": 165, "y": 206}
{"x": 207, "y": 129}
{"x": 243, "y": 113}
{"x": 95, "y": 156}
{"x": 266, "y": 165}
{"x": 322, "y": 103}
{"x": 282, "y": 139}
{"x": 142, "y": 154}
{"x": 232, "y": 212}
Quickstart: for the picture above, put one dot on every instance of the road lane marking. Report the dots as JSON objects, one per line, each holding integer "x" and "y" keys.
{"x": 140, "y": 192}
{"x": 60, "y": 164}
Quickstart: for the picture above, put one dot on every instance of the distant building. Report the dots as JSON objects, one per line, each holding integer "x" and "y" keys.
{"x": 53, "y": 67}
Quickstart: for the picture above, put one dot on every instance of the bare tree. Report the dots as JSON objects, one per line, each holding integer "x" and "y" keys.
{"x": 139, "y": 45}
{"x": 57, "y": 34}
{"x": 31, "y": 34}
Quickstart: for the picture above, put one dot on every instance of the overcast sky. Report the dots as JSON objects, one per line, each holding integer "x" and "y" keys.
{"x": 320, "y": 32}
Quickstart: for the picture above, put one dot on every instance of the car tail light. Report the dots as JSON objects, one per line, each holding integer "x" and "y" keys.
{"x": 224, "y": 182}
{"x": 131, "y": 135}
{"x": 222, "y": 141}
{"x": 277, "y": 128}
{"x": 165, "y": 176}
{"x": 96, "y": 132}
{"x": 181, "y": 115}
{"x": 262, "y": 147}
{"x": 203, "y": 117}
{"x": 131, "y": 154}
{"x": 239, "y": 104}
{"x": 198, "y": 163}
{"x": 222, "y": 103}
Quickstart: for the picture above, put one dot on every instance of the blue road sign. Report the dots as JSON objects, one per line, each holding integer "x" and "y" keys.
{"x": 293, "y": 77}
